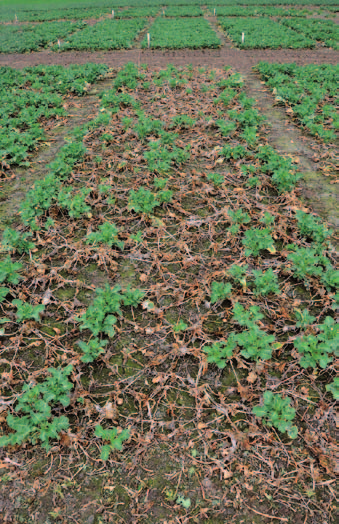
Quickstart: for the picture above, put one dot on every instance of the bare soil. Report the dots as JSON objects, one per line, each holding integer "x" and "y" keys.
{"x": 243, "y": 60}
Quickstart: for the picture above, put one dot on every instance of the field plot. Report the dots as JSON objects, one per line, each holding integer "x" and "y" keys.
{"x": 263, "y": 33}
{"x": 168, "y": 331}
{"x": 181, "y": 33}
{"x": 183, "y": 10}
{"x": 60, "y": 14}
{"x": 258, "y": 11}
{"x": 310, "y": 93}
{"x": 324, "y": 31}
{"x": 137, "y": 12}
{"x": 24, "y": 38}
{"x": 108, "y": 34}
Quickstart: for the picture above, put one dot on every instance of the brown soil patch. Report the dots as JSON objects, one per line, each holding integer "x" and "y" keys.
{"x": 243, "y": 60}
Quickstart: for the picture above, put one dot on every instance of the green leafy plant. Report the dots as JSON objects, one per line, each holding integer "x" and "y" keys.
{"x": 38, "y": 423}
{"x": 101, "y": 315}
{"x": 74, "y": 201}
{"x": 311, "y": 226}
{"x": 26, "y": 311}
{"x": 13, "y": 240}
{"x": 180, "y": 326}
{"x": 92, "y": 349}
{"x": 247, "y": 317}
{"x": 334, "y": 388}
{"x": 142, "y": 201}
{"x": 220, "y": 291}
{"x": 238, "y": 273}
{"x": 304, "y": 318}
{"x": 8, "y": 271}
{"x": 216, "y": 178}
{"x": 316, "y": 350}
{"x": 3, "y": 293}
{"x": 219, "y": 352}
{"x": 266, "y": 282}
{"x": 113, "y": 438}
{"x": 107, "y": 234}
{"x": 256, "y": 344}
{"x": 257, "y": 240}
{"x": 239, "y": 216}
{"x": 305, "y": 263}
{"x": 184, "y": 502}
{"x": 331, "y": 278}
{"x": 277, "y": 412}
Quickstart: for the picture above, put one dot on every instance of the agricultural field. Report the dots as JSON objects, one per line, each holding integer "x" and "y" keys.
{"x": 320, "y": 30}
{"x": 168, "y": 305}
{"x": 168, "y": 262}
{"x": 26, "y": 38}
{"x": 181, "y": 33}
{"x": 263, "y": 33}
{"x": 108, "y": 34}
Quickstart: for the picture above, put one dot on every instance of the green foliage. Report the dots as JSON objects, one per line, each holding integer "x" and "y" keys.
{"x": 334, "y": 388}
{"x": 180, "y": 326}
{"x": 100, "y": 317}
{"x": 239, "y": 216}
{"x": 219, "y": 352}
{"x": 226, "y": 127}
{"x": 311, "y": 226}
{"x": 39, "y": 199}
{"x": 165, "y": 196}
{"x": 304, "y": 318}
{"x": 114, "y": 101}
{"x": 256, "y": 240}
{"x": 13, "y": 240}
{"x": 267, "y": 219}
{"x": 266, "y": 282}
{"x": 179, "y": 33}
{"x": 148, "y": 126}
{"x": 92, "y": 349}
{"x": 245, "y": 317}
{"x": 160, "y": 183}
{"x": 38, "y": 423}
{"x": 74, "y": 201}
{"x": 115, "y": 440}
{"x": 256, "y": 344}
{"x": 182, "y": 121}
{"x": 3, "y": 293}
{"x": 235, "y": 152}
{"x": 8, "y": 271}
{"x": 331, "y": 278}
{"x": 220, "y": 291}
{"x": 108, "y": 34}
{"x": 263, "y": 33}
{"x": 277, "y": 412}
{"x": 238, "y": 273}
{"x": 107, "y": 234}
{"x": 305, "y": 263}
{"x": 317, "y": 349}
{"x": 216, "y": 178}
{"x": 26, "y": 311}
{"x": 185, "y": 503}
{"x": 142, "y": 201}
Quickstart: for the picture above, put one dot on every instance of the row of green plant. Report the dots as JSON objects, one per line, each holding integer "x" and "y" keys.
{"x": 31, "y": 97}
{"x": 177, "y": 33}
{"x": 310, "y": 91}
{"x": 108, "y": 34}
{"x": 324, "y": 31}
{"x": 26, "y": 38}
{"x": 263, "y": 33}
{"x": 258, "y": 10}
{"x": 36, "y": 15}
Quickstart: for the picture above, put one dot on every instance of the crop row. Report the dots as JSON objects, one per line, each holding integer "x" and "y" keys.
{"x": 263, "y": 33}
{"x": 32, "y": 98}
{"x": 182, "y": 33}
{"x": 324, "y": 31}
{"x": 310, "y": 93}
{"x": 23, "y": 38}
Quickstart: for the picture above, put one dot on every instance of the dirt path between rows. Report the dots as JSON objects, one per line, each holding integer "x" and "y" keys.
{"x": 318, "y": 191}
{"x": 215, "y": 58}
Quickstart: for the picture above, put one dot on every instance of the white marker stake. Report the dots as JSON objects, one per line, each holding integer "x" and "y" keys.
{"x": 112, "y": 13}
{"x": 15, "y": 18}
{"x": 59, "y": 44}
{"x": 163, "y": 12}
{"x": 148, "y": 40}
{"x": 242, "y": 37}
{"x": 214, "y": 12}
